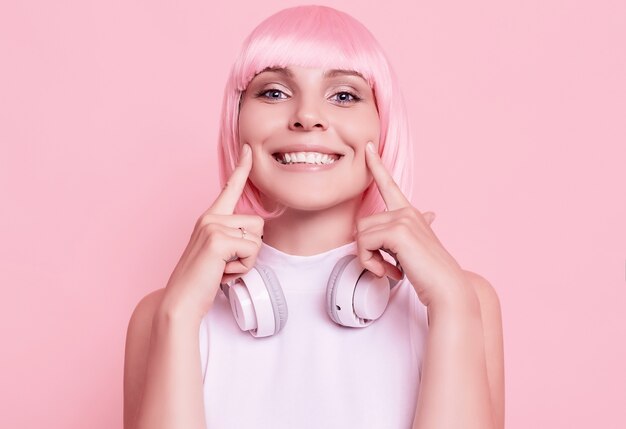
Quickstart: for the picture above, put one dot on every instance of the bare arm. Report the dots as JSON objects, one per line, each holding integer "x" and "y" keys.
{"x": 162, "y": 374}
{"x": 163, "y": 377}
{"x": 455, "y": 389}
{"x": 491, "y": 316}
{"x": 462, "y": 385}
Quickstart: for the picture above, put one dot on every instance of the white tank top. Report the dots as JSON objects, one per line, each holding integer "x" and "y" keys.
{"x": 313, "y": 373}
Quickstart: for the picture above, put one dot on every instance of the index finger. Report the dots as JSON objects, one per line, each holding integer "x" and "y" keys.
{"x": 226, "y": 201}
{"x": 388, "y": 188}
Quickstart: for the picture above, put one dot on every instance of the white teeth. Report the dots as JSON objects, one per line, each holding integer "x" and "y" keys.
{"x": 306, "y": 157}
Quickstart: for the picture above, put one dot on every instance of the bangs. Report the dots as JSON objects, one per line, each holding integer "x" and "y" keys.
{"x": 323, "y": 38}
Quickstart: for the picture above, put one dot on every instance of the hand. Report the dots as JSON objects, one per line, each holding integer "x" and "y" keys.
{"x": 406, "y": 234}
{"x": 217, "y": 251}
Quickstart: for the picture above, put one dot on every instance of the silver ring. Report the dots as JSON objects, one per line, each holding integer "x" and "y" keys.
{"x": 243, "y": 232}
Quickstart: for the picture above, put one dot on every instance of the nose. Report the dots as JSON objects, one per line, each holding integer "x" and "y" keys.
{"x": 308, "y": 116}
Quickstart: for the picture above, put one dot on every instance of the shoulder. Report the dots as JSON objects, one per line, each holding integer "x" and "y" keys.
{"x": 140, "y": 322}
{"x": 146, "y": 307}
{"x": 491, "y": 316}
{"x": 490, "y": 309}
{"x": 487, "y": 295}
{"x": 140, "y": 325}
{"x": 136, "y": 351}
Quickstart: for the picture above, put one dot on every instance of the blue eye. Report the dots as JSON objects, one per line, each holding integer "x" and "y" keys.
{"x": 274, "y": 94}
{"x": 344, "y": 97}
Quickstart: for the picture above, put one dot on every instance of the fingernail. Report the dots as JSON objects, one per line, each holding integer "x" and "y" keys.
{"x": 370, "y": 147}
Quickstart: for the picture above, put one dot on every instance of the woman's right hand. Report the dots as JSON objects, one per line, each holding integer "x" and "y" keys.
{"x": 217, "y": 251}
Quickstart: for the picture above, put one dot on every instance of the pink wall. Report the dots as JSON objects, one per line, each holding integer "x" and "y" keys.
{"x": 108, "y": 117}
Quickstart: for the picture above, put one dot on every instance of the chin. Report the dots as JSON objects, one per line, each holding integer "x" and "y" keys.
{"x": 309, "y": 192}
{"x": 314, "y": 201}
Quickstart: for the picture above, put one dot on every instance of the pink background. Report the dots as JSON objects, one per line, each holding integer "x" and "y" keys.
{"x": 109, "y": 117}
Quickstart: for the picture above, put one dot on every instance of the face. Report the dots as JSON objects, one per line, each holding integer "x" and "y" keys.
{"x": 308, "y": 128}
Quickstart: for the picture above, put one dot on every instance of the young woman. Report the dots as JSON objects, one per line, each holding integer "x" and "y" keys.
{"x": 282, "y": 311}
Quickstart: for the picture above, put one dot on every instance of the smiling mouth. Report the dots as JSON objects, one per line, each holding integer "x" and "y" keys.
{"x": 314, "y": 158}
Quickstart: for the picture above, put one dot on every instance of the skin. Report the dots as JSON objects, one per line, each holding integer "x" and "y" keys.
{"x": 462, "y": 383}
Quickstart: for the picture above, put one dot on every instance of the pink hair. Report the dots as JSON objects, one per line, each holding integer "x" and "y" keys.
{"x": 321, "y": 37}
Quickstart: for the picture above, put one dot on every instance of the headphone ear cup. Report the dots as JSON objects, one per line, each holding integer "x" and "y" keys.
{"x": 257, "y": 302}
{"x": 355, "y": 297}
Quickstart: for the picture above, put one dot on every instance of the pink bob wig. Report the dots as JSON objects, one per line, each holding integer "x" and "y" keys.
{"x": 320, "y": 37}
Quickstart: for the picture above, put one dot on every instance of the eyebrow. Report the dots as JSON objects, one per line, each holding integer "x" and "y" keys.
{"x": 327, "y": 74}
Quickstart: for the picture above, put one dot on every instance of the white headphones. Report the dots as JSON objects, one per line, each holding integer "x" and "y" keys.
{"x": 355, "y": 297}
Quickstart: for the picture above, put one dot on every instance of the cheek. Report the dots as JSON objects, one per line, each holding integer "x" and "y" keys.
{"x": 247, "y": 124}
{"x": 257, "y": 124}
{"x": 357, "y": 129}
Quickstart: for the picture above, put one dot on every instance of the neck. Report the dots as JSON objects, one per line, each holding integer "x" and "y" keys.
{"x": 305, "y": 233}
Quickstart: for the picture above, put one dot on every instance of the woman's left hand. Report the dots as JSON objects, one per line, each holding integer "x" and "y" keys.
{"x": 405, "y": 233}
